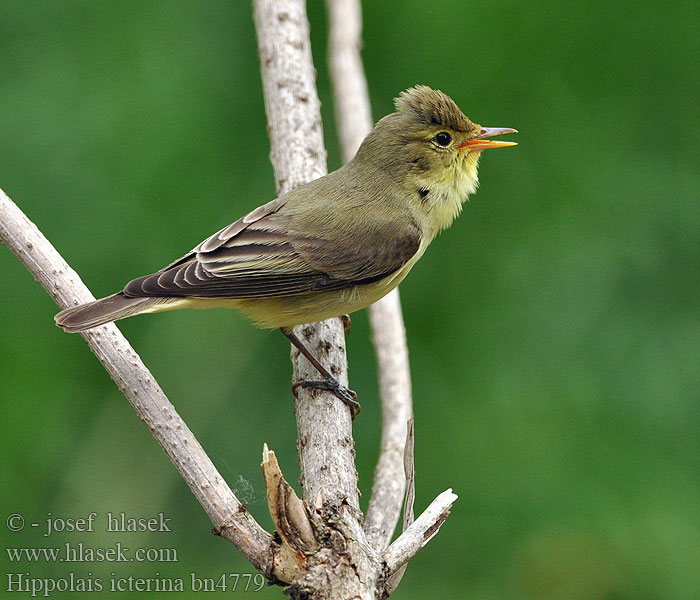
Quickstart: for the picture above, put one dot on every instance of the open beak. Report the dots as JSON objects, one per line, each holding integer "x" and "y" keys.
{"x": 480, "y": 143}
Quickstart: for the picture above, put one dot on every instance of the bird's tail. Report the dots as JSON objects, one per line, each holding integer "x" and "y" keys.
{"x": 99, "y": 312}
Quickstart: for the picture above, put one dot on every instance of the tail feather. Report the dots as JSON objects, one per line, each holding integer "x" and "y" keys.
{"x": 99, "y": 312}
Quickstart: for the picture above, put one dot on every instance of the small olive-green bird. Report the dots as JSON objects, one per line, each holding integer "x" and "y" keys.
{"x": 334, "y": 245}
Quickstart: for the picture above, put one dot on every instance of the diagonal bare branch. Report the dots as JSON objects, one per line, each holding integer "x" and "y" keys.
{"x": 63, "y": 284}
{"x": 419, "y": 533}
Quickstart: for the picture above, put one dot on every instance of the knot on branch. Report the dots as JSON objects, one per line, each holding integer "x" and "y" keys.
{"x": 313, "y": 544}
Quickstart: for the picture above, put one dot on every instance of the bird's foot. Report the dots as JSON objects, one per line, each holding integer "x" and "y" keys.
{"x": 332, "y": 385}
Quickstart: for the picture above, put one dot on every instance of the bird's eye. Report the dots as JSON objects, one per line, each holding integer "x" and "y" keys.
{"x": 443, "y": 138}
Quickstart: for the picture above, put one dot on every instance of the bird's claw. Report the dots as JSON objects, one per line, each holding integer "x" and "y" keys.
{"x": 332, "y": 385}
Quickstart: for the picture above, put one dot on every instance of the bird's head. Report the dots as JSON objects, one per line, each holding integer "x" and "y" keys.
{"x": 431, "y": 149}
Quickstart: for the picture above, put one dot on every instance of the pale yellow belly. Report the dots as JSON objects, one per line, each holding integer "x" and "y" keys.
{"x": 287, "y": 311}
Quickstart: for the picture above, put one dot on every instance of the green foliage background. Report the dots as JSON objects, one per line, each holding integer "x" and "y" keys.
{"x": 554, "y": 330}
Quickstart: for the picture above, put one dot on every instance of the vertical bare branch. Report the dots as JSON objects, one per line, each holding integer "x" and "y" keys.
{"x": 345, "y": 565}
{"x": 354, "y": 123}
{"x": 353, "y": 112}
{"x": 326, "y": 446}
{"x": 389, "y": 337}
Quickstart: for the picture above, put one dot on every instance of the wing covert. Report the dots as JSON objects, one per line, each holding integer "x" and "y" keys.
{"x": 267, "y": 254}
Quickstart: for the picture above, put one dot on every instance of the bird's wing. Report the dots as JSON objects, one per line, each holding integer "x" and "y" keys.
{"x": 263, "y": 254}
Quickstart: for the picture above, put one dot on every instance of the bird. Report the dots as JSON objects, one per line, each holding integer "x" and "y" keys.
{"x": 329, "y": 247}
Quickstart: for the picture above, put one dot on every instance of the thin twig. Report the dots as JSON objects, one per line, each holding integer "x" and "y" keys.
{"x": 350, "y": 95}
{"x": 352, "y": 108}
{"x": 409, "y": 468}
{"x": 419, "y": 533}
{"x": 389, "y": 336}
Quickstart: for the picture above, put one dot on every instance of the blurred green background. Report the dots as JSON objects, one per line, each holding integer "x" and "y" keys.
{"x": 554, "y": 330}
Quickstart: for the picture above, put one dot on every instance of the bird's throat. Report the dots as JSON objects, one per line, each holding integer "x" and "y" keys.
{"x": 445, "y": 197}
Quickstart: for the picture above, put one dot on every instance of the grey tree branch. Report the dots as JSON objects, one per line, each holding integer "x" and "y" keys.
{"x": 353, "y": 112}
{"x": 298, "y": 155}
{"x": 419, "y": 533}
{"x": 344, "y": 565}
{"x": 142, "y": 391}
{"x": 408, "y": 516}
{"x": 352, "y": 109}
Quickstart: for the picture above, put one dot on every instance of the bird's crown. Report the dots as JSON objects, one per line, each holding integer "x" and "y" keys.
{"x": 432, "y": 107}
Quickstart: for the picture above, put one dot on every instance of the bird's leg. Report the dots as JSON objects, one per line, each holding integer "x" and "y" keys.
{"x": 347, "y": 322}
{"x": 329, "y": 382}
